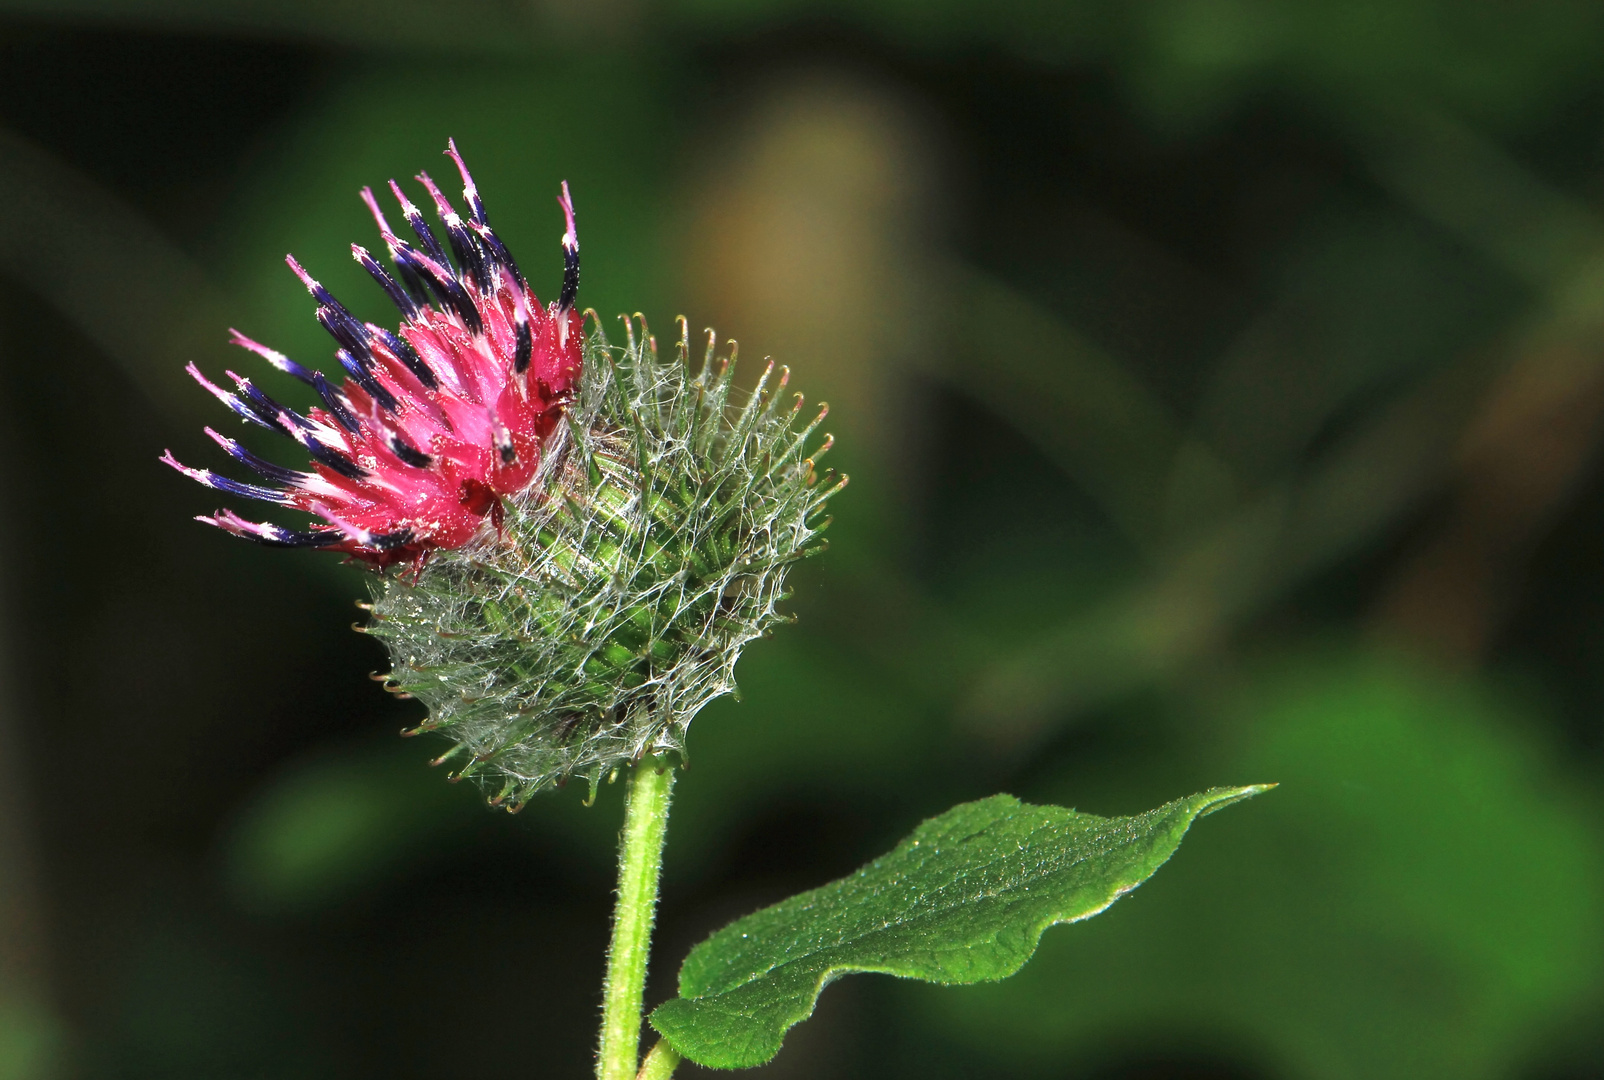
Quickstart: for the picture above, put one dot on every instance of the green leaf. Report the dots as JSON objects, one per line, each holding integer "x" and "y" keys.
{"x": 964, "y": 899}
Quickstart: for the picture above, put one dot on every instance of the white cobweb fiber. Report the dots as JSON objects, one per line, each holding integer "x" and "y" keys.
{"x": 614, "y": 601}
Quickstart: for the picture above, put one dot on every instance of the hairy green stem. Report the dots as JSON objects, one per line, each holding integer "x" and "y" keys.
{"x": 640, "y": 862}
{"x": 660, "y": 1063}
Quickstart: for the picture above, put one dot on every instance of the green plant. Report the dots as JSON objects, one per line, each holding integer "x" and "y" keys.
{"x": 572, "y": 543}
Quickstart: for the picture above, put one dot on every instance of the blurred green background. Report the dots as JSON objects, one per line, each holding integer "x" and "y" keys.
{"x": 1221, "y": 383}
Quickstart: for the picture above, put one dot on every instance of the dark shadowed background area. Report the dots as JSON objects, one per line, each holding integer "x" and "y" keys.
{"x": 1223, "y": 387}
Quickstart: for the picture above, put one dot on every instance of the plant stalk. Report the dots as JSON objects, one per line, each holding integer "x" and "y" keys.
{"x": 640, "y": 864}
{"x": 660, "y": 1063}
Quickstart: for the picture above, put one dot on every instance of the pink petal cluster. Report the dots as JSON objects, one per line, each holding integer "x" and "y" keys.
{"x": 432, "y": 424}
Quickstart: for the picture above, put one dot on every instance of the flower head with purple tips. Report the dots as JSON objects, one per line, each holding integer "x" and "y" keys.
{"x": 426, "y": 428}
{"x": 603, "y": 548}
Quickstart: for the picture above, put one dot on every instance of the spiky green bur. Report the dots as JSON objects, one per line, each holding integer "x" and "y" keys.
{"x": 616, "y": 597}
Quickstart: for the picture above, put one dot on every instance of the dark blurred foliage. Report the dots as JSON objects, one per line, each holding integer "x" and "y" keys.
{"x": 1221, "y": 383}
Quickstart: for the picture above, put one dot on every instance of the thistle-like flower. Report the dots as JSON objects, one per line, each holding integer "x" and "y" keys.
{"x": 602, "y": 548}
{"x": 434, "y": 423}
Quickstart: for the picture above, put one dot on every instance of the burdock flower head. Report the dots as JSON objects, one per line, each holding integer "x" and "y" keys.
{"x": 586, "y": 535}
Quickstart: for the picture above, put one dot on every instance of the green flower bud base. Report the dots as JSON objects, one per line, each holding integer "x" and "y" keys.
{"x": 613, "y": 601}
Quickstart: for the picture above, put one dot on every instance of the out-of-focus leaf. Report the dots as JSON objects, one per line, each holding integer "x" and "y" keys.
{"x": 1309, "y": 515}
{"x": 1424, "y": 897}
{"x": 964, "y": 899}
{"x": 1340, "y": 333}
{"x": 32, "y": 1040}
{"x": 331, "y": 825}
{"x": 1466, "y": 184}
{"x": 1232, "y": 571}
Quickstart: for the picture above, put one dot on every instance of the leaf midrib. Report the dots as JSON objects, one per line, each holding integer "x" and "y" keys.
{"x": 912, "y": 922}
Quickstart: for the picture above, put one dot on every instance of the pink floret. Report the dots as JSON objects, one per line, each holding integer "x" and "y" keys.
{"x": 415, "y": 452}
